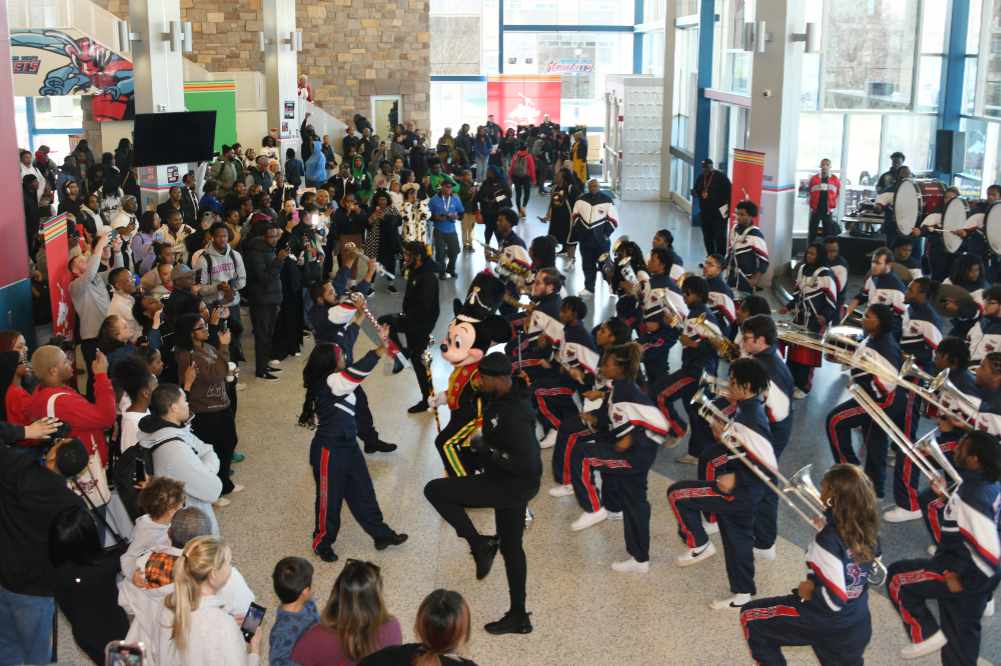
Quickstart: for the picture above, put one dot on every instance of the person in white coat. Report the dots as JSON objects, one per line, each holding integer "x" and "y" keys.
{"x": 193, "y": 626}
{"x": 177, "y": 452}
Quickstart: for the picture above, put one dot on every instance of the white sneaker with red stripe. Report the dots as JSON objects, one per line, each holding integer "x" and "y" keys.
{"x": 928, "y": 646}
{"x": 695, "y": 555}
{"x": 631, "y": 566}
{"x": 588, "y": 519}
{"x": 901, "y": 515}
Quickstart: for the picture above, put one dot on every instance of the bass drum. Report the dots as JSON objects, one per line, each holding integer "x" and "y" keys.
{"x": 957, "y": 217}
{"x": 992, "y": 227}
{"x": 915, "y": 198}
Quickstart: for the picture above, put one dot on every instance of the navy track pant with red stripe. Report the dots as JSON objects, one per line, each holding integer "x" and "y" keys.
{"x": 572, "y": 432}
{"x": 932, "y": 510}
{"x": 774, "y": 622}
{"x": 340, "y": 474}
{"x": 553, "y": 405}
{"x": 912, "y": 583}
{"x": 735, "y": 514}
{"x": 679, "y": 385}
{"x": 849, "y": 416}
{"x": 623, "y": 488}
{"x": 906, "y": 476}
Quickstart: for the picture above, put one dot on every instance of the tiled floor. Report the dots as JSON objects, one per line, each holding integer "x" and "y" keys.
{"x": 583, "y": 612}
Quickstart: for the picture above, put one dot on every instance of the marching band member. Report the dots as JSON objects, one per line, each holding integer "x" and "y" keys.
{"x": 988, "y": 380}
{"x": 594, "y": 222}
{"x": 553, "y": 386}
{"x": 747, "y": 259}
{"x": 720, "y": 296}
{"x": 964, "y": 571}
{"x": 968, "y": 273}
{"x": 879, "y": 348}
{"x": 736, "y": 493}
{"x": 922, "y": 334}
{"x": 838, "y": 267}
{"x": 656, "y": 335}
{"x": 506, "y": 237}
{"x": 759, "y": 336}
{"x": 985, "y": 334}
{"x": 937, "y": 259}
{"x": 698, "y": 355}
{"x": 676, "y": 267}
{"x": 889, "y": 221}
{"x": 542, "y": 328}
{"x": 815, "y": 305}
{"x": 952, "y": 355}
{"x": 594, "y": 388}
{"x": 829, "y": 611}
{"x": 629, "y": 427}
{"x": 882, "y": 286}
{"x": 903, "y": 254}
{"x": 629, "y": 280}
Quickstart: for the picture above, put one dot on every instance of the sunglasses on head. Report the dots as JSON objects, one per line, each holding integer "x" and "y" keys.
{"x": 353, "y": 562}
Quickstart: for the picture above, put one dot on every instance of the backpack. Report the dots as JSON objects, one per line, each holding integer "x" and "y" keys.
{"x": 124, "y": 473}
{"x": 520, "y": 169}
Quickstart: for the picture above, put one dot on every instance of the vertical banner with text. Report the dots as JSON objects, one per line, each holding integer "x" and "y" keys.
{"x": 747, "y": 179}
{"x": 55, "y": 232}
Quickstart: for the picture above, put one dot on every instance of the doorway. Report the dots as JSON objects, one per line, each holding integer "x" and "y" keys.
{"x": 387, "y": 113}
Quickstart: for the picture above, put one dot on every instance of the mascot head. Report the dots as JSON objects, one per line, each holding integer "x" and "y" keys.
{"x": 475, "y": 326}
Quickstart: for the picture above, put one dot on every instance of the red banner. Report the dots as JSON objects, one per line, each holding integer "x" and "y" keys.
{"x": 55, "y": 233}
{"x": 522, "y": 99}
{"x": 747, "y": 178}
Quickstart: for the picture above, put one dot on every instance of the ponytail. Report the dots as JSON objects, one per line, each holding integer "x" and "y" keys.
{"x": 201, "y": 556}
{"x": 627, "y": 356}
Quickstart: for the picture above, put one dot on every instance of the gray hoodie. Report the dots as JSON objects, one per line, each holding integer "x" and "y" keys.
{"x": 90, "y": 295}
{"x": 215, "y": 267}
{"x": 190, "y": 461}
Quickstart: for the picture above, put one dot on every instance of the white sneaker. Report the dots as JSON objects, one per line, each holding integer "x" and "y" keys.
{"x": 736, "y": 602}
{"x": 221, "y": 502}
{"x": 549, "y": 441}
{"x": 631, "y": 566}
{"x": 274, "y": 364}
{"x": 615, "y": 515}
{"x": 695, "y": 555}
{"x": 237, "y": 488}
{"x": 899, "y": 515}
{"x": 588, "y": 519}
{"x": 764, "y": 553}
{"x": 710, "y": 528}
{"x": 561, "y": 491}
{"x": 584, "y": 293}
{"x": 798, "y": 394}
{"x": 989, "y": 609}
{"x": 932, "y": 549}
{"x": 930, "y": 645}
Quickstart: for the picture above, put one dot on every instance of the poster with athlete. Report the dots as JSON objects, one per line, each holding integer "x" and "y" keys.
{"x": 54, "y": 232}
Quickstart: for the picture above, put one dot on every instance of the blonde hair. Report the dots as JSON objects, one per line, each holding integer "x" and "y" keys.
{"x": 198, "y": 560}
{"x": 355, "y": 610}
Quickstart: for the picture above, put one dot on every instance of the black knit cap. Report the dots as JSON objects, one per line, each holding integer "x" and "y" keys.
{"x": 496, "y": 364}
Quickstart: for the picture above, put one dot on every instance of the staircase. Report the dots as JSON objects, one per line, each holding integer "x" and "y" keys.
{"x": 69, "y": 47}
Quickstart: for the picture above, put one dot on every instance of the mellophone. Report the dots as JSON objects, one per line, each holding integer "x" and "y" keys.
{"x": 921, "y": 201}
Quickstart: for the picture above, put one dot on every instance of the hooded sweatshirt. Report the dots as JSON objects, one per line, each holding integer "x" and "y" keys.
{"x": 191, "y": 461}
{"x": 215, "y": 267}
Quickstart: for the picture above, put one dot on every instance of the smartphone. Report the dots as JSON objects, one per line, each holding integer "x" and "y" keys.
{"x": 223, "y": 325}
{"x": 140, "y": 472}
{"x": 252, "y": 620}
{"x": 120, "y": 653}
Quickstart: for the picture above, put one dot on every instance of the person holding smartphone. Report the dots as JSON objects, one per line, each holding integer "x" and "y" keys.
{"x": 194, "y": 626}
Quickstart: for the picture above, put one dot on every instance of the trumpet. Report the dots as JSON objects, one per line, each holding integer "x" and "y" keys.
{"x": 720, "y": 387}
{"x": 806, "y": 504}
{"x": 915, "y": 451}
{"x": 725, "y": 347}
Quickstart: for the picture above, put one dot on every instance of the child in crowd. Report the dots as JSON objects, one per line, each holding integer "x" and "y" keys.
{"x": 293, "y": 581}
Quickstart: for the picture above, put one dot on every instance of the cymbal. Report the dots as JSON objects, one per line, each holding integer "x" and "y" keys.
{"x": 902, "y": 272}
{"x": 966, "y": 306}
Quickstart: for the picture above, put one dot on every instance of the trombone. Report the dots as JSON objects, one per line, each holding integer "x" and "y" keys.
{"x": 916, "y": 451}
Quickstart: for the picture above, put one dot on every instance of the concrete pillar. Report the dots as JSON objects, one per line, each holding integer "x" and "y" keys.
{"x": 15, "y": 284}
{"x": 281, "y": 69}
{"x": 774, "y": 123}
{"x": 158, "y": 72}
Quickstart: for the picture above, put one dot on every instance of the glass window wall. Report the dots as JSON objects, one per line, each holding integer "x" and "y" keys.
{"x": 555, "y": 12}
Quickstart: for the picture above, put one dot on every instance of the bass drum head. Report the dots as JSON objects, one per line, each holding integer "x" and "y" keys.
{"x": 992, "y": 227}
{"x": 906, "y": 206}
{"x": 953, "y": 219}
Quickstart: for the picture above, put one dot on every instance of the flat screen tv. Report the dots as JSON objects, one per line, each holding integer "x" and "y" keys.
{"x": 174, "y": 138}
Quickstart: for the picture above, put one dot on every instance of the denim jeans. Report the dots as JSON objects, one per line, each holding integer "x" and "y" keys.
{"x": 25, "y": 628}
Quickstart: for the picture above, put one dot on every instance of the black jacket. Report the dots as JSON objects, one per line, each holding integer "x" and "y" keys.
{"x": 490, "y": 191}
{"x": 264, "y": 284}
{"x": 420, "y": 302}
{"x": 510, "y": 450}
{"x": 717, "y": 190}
{"x": 31, "y": 497}
{"x": 87, "y": 595}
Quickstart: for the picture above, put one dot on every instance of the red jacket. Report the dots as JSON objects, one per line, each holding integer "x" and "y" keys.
{"x": 529, "y": 164}
{"x": 87, "y": 420}
{"x": 833, "y": 190}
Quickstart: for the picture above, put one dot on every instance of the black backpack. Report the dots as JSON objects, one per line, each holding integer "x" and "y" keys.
{"x": 124, "y": 474}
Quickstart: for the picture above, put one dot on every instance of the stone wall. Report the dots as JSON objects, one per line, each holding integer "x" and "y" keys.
{"x": 352, "y": 49}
